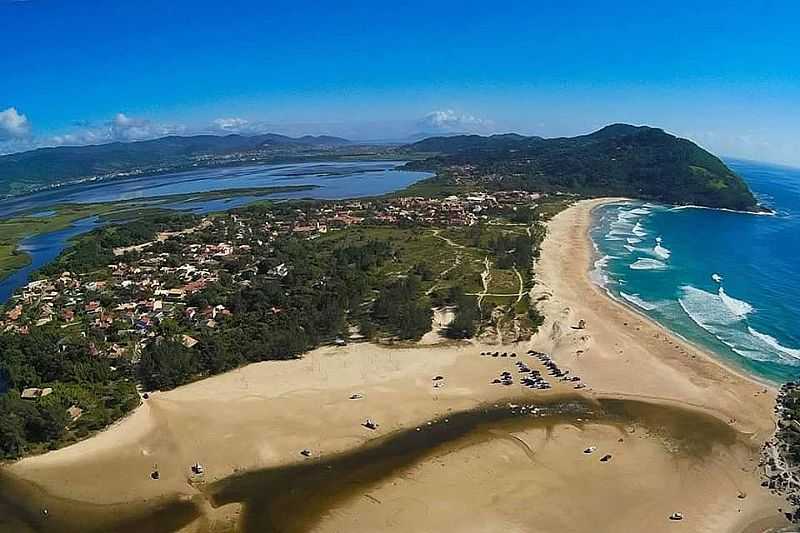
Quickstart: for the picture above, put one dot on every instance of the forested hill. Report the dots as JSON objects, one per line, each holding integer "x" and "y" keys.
{"x": 45, "y": 166}
{"x": 618, "y": 160}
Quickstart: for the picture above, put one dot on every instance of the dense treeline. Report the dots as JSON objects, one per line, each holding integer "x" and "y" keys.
{"x": 512, "y": 251}
{"x": 275, "y": 317}
{"x": 95, "y": 249}
{"x": 618, "y": 160}
{"x": 467, "y": 315}
{"x": 399, "y": 308}
{"x": 46, "y": 358}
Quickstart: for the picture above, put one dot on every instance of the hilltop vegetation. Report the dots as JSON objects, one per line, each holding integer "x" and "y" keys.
{"x": 618, "y": 160}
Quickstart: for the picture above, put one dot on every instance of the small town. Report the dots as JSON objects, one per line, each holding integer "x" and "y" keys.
{"x": 120, "y": 307}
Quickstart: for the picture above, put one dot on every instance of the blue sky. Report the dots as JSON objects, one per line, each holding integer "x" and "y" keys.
{"x": 726, "y": 74}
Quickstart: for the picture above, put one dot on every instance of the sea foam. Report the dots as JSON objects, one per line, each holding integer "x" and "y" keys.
{"x": 738, "y": 307}
{"x": 725, "y": 318}
{"x": 648, "y": 264}
{"x": 638, "y": 302}
{"x": 773, "y": 343}
{"x": 662, "y": 252}
{"x": 598, "y": 275}
{"x": 707, "y": 308}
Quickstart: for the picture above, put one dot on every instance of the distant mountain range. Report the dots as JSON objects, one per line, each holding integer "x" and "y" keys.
{"x": 46, "y": 166}
{"x": 618, "y": 160}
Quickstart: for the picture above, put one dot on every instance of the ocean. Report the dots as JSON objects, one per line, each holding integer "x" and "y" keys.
{"x": 728, "y": 282}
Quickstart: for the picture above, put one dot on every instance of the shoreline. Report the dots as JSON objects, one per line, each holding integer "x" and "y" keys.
{"x": 261, "y": 416}
{"x": 574, "y": 224}
{"x": 730, "y": 366}
{"x": 718, "y": 358}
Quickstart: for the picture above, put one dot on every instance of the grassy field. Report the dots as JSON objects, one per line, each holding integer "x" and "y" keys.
{"x": 10, "y": 260}
{"x": 454, "y": 256}
{"x": 420, "y": 250}
{"x": 14, "y": 230}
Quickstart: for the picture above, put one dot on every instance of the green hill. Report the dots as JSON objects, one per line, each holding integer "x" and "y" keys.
{"x": 618, "y": 160}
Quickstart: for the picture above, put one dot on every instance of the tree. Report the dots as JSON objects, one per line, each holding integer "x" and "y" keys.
{"x": 400, "y": 308}
{"x": 12, "y": 430}
{"x": 166, "y": 363}
{"x": 467, "y": 315}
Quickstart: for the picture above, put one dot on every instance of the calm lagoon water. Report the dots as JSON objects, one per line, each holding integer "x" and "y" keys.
{"x": 334, "y": 180}
{"x": 727, "y": 281}
{"x": 42, "y": 249}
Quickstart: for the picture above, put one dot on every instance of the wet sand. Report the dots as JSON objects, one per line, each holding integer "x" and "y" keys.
{"x": 248, "y": 427}
{"x": 508, "y": 465}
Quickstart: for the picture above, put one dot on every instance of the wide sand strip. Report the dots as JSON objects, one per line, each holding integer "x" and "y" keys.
{"x": 265, "y": 414}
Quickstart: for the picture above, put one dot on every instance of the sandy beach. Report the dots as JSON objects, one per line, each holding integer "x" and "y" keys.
{"x": 623, "y": 353}
{"x": 514, "y": 478}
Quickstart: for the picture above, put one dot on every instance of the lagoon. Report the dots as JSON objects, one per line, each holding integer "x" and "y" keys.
{"x": 331, "y": 180}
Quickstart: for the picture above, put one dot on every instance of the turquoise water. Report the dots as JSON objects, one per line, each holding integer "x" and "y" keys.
{"x": 726, "y": 281}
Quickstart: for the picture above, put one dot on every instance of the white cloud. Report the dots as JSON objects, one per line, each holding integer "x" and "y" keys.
{"x": 79, "y": 137}
{"x": 125, "y": 128}
{"x": 13, "y": 125}
{"x": 121, "y": 127}
{"x": 449, "y": 121}
{"x": 231, "y": 125}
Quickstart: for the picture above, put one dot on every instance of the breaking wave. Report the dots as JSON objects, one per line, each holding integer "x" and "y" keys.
{"x": 773, "y": 342}
{"x": 648, "y": 264}
{"x": 726, "y": 319}
{"x": 661, "y": 252}
{"x": 638, "y": 302}
{"x": 738, "y": 307}
{"x": 598, "y": 275}
{"x": 706, "y": 309}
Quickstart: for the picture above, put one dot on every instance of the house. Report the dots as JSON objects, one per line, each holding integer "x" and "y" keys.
{"x": 281, "y": 270}
{"x": 33, "y": 393}
{"x": 74, "y": 412}
{"x": 188, "y": 341}
{"x": 14, "y": 313}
